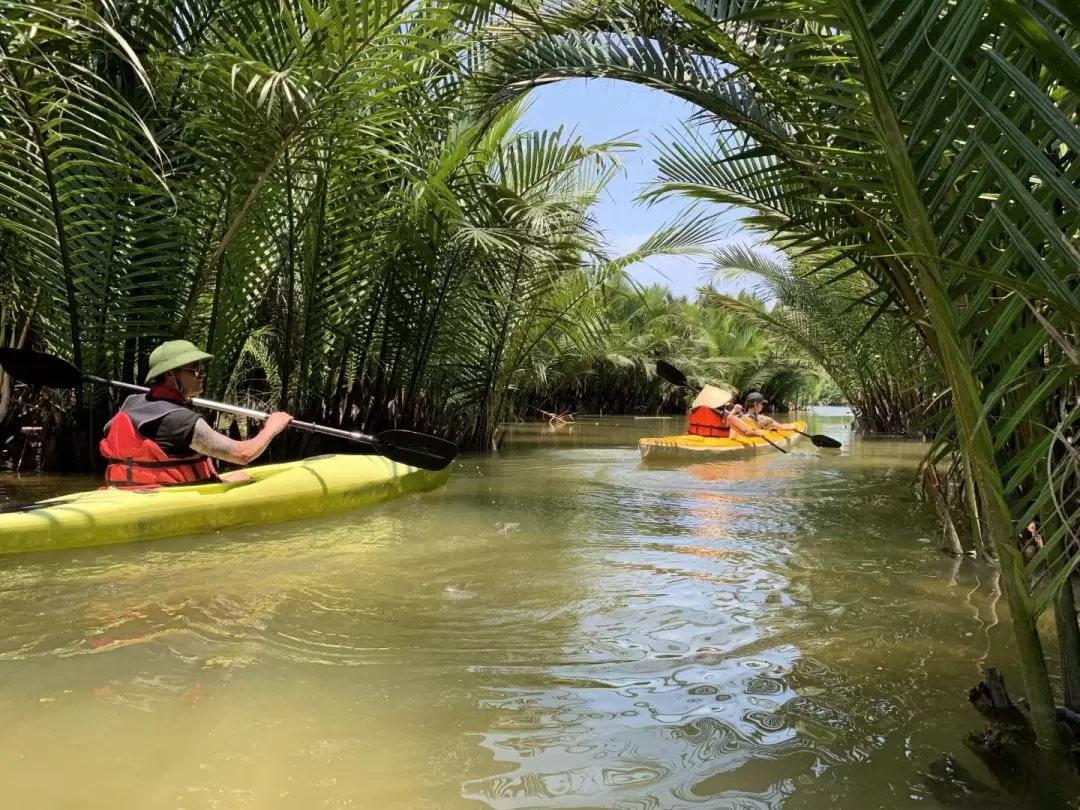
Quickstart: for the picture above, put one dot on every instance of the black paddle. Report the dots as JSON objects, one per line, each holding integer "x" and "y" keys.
{"x": 403, "y": 446}
{"x": 676, "y": 377}
{"x": 819, "y": 440}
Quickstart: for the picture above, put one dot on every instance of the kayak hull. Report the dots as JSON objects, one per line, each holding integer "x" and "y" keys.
{"x": 687, "y": 446}
{"x": 277, "y": 493}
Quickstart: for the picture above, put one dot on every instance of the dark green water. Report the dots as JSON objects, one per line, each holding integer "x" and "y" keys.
{"x": 560, "y": 627}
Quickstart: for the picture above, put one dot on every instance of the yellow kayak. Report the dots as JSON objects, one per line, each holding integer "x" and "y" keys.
{"x": 279, "y": 492}
{"x": 687, "y": 446}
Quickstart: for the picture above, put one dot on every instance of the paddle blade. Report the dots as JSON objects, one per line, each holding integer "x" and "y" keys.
{"x": 825, "y": 441}
{"x": 38, "y": 368}
{"x": 673, "y": 375}
{"x": 415, "y": 449}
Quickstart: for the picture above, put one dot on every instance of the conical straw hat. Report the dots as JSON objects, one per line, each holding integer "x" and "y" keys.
{"x": 712, "y": 397}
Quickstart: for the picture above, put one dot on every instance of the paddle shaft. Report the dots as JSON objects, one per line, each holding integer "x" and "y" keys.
{"x": 774, "y": 444}
{"x": 402, "y": 446}
{"x": 236, "y": 410}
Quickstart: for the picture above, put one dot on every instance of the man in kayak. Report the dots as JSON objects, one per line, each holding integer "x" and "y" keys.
{"x": 755, "y": 404}
{"x": 157, "y": 438}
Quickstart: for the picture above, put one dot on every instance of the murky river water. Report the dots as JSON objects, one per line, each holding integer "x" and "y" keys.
{"x": 559, "y": 627}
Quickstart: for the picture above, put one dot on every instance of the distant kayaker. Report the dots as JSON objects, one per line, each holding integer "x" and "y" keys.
{"x": 755, "y": 404}
{"x": 158, "y": 437}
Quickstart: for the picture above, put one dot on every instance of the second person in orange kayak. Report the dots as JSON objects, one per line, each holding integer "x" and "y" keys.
{"x": 755, "y": 404}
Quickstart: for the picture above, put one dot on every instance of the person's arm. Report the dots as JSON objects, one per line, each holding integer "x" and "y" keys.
{"x": 736, "y": 425}
{"x": 208, "y": 442}
{"x": 772, "y": 424}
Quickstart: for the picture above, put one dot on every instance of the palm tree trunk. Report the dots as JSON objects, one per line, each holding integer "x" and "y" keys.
{"x": 290, "y": 286}
{"x": 7, "y": 382}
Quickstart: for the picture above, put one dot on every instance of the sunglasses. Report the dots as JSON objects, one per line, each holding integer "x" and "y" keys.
{"x": 198, "y": 371}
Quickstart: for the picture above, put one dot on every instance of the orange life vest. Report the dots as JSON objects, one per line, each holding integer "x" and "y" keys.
{"x": 135, "y": 460}
{"x": 707, "y": 422}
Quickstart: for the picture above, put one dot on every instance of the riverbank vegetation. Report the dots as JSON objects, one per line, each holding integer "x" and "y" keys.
{"x": 635, "y": 326}
{"x": 309, "y": 195}
{"x": 878, "y": 363}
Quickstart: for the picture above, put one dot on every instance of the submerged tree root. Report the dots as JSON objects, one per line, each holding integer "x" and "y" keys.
{"x": 1006, "y": 746}
{"x": 557, "y": 419}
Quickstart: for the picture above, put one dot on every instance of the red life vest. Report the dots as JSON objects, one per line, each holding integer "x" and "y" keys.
{"x": 707, "y": 422}
{"x": 135, "y": 460}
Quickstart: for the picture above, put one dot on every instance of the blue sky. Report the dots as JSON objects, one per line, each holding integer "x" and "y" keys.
{"x": 603, "y": 109}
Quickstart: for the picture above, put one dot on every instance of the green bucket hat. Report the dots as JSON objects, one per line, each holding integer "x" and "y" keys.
{"x": 172, "y": 355}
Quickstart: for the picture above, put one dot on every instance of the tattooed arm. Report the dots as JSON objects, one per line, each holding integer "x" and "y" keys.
{"x": 208, "y": 442}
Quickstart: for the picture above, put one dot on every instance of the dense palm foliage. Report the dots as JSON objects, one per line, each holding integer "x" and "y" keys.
{"x": 613, "y": 370}
{"x": 879, "y": 363}
{"x": 300, "y": 188}
{"x": 930, "y": 147}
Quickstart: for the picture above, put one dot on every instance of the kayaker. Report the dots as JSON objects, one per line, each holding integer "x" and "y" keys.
{"x": 708, "y": 416}
{"x": 712, "y": 415}
{"x": 157, "y": 438}
{"x": 755, "y": 404}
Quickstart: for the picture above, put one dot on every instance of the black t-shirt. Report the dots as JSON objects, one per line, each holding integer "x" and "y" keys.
{"x": 173, "y": 432}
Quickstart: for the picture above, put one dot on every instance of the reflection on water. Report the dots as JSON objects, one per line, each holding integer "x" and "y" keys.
{"x": 561, "y": 626}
